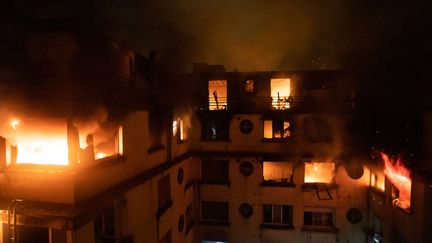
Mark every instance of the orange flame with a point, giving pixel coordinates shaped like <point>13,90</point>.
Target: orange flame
<point>400,177</point>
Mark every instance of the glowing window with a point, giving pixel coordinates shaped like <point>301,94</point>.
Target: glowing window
<point>183,133</point>
<point>108,143</point>
<point>377,181</point>
<point>319,172</point>
<point>277,171</point>
<point>280,92</point>
<point>218,95</point>
<point>277,129</point>
<point>174,128</point>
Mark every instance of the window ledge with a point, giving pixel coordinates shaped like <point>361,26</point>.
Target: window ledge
<point>313,186</point>
<point>163,208</point>
<point>277,184</point>
<point>219,223</point>
<point>222,183</point>
<point>277,226</point>
<point>215,140</point>
<point>275,140</point>
<point>323,229</point>
<point>155,148</point>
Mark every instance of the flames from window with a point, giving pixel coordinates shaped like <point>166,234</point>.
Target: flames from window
<point>317,172</point>
<point>400,177</point>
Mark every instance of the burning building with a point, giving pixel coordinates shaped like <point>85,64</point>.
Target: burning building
<point>92,150</point>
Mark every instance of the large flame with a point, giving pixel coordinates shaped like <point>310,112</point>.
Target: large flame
<point>400,177</point>
<point>41,141</point>
<point>318,172</point>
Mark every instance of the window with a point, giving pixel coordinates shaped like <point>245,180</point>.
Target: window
<point>105,226</point>
<point>277,172</point>
<point>108,144</point>
<point>249,86</point>
<point>156,122</point>
<point>316,172</point>
<point>217,94</point>
<point>280,93</point>
<point>189,218</point>
<point>246,168</point>
<point>166,238</point>
<point>246,210</point>
<point>277,129</point>
<point>246,126</point>
<point>377,181</point>
<point>217,129</point>
<point>214,171</point>
<point>318,217</point>
<point>215,211</point>
<point>179,128</point>
<point>277,214</point>
<point>164,192</point>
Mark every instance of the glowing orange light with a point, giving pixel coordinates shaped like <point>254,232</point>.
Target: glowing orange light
<point>14,123</point>
<point>400,177</point>
<point>317,172</point>
<point>42,141</point>
<point>100,155</point>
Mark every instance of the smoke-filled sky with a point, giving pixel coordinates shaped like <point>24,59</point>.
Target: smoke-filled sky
<point>251,34</point>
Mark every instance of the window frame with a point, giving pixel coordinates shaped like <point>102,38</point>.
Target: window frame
<point>283,220</point>
<point>209,177</point>
<point>278,125</point>
<point>222,218</point>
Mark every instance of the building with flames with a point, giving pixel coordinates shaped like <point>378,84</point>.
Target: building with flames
<point>92,150</point>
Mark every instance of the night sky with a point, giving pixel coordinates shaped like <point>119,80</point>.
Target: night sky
<point>387,43</point>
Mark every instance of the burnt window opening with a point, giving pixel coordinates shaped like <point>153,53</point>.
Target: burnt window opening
<point>281,93</point>
<point>106,226</point>
<point>166,238</point>
<point>215,211</point>
<point>277,129</point>
<point>377,181</point>
<point>217,129</point>
<point>246,210</point>
<point>246,168</point>
<point>317,130</point>
<point>277,214</point>
<point>156,122</point>
<point>218,95</point>
<point>246,126</point>
<point>214,171</point>
<point>319,172</point>
<point>249,86</point>
<point>164,194</point>
<point>278,173</point>
<point>318,217</point>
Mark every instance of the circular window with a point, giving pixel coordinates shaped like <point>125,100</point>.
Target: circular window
<point>246,126</point>
<point>354,170</point>
<point>246,168</point>
<point>246,210</point>
<point>354,215</point>
<point>180,175</point>
<point>181,223</point>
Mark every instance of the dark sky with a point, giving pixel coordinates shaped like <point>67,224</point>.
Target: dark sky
<point>251,34</point>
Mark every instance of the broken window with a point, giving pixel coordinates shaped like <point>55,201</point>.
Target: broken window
<point>214,171</point>
<point>218,95</point>
<point>317,172</point>
<point>277,172</point>
<point>249,86</point>
<point>215,211</point>
<point>318,217</point>
<point>277,214</point>
<point>280,93</point>
<point>277,129</point>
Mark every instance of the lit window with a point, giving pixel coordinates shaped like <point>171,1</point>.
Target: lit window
<point>377,181</point>
<point>106,146</point>
<point>318,217</point>
<point>249,86</point>
<point>277,214</point>
<point>280,93</point>
<point>277,129</point>
<point>218,95</point>
<point>319,172</point>
<point>183,133</point>
<point>174,127</point>
<point>277,171</point>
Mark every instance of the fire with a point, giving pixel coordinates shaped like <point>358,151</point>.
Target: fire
<point>41,141</point>
<point>400,177</point>
<point>280,92</point>
<point>316,172</point>
<point>100,155</point>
